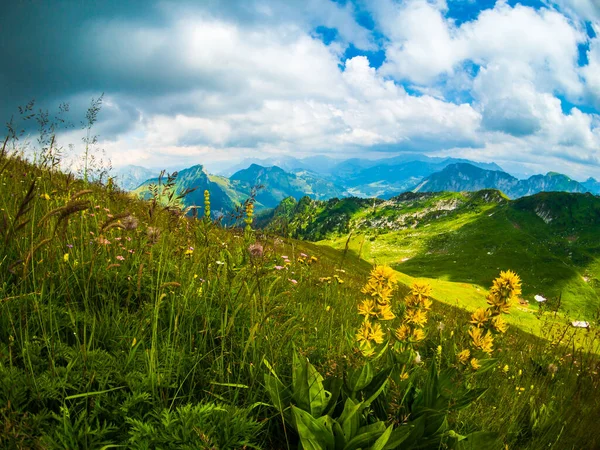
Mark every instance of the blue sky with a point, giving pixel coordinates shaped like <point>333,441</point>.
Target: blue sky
<point>212,82</point>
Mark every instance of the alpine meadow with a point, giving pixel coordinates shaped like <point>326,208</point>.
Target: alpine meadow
<point>320,225</point>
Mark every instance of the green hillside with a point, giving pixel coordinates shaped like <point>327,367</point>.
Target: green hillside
<point>551,239</point>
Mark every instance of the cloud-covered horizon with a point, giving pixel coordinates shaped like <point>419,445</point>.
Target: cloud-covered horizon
<point>511,82</point>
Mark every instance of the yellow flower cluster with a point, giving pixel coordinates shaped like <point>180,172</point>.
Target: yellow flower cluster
<point>379,289</point>
<point>249,214</point>
<point>377,307</point>
<point>486,322</point>
<point>207,204</point>
<point>415,318</point>
<point>505,289</point>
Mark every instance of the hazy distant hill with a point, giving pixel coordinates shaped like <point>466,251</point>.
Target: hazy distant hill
<point>591,185</point>
<point>279,184</point>
<point>226,193</point>
<point>466,177</point>
<point>129,177</point>
<point>223,195</point>
<point>358,178</point>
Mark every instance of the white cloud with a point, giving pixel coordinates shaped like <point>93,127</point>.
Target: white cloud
<point>425,45</point>
<point>209,87</point>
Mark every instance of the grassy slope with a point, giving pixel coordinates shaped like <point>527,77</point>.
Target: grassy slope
<point>103,332</point>
<point>459,254</point>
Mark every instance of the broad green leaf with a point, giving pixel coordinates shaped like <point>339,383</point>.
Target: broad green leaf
<point>278,394</point>
<point>314,433</point>
<point>436,423</point>
<point>379,382</point>
<point>430,390</point>
<point>363,440</point>
<point>350,418</point>
<point>398,436</point>
<point>338,434</point>
<point>445,384</point>
<point>307,384</point>
<point>383,439</point>
<point>415,436</point>
<point>334,387</point>
<point>318,396</point>
<point>361,378</point>
<point>378,426</point>
<point>300,387</point>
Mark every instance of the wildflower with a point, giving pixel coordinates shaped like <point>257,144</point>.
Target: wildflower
<point>420,290</point>
<point>207,204</point>
<point>220,263</point>
<point>476,336</point>
<point>417,335</point>
<point>303,255</point>
<point>552,369</point>
<point>278,267</point>
<point>45,196</point>
<point>499,304</point>
<point>403,332</point>
<point>153,234</point>
<point>249,214</point>
<point>328,308</point>
<point>475,364</point>
<point>256,250</point>
<point>284,257</point>
<point>385,312</point>
<point>66,257</point>
<point>499,324</point>
<point>505,368</point>
<point>367,308</point>
<point>417,317</point>
<point>480,317</point>
<point>313,259</point>
<point>338,279</point>
<point>376,333</point>
<point>463,356</point>
<point>292,281</point>
<point>69,245</point>
<point>364,332</point>
<point>418,358</point>
<point>366,348</point>
<point>487,343</point>
<point>505,287</point>
<point>403,376</point>
<point>439,350</point>
<point>130,222</point>
<point>189,251</point>
<point>120,258</point>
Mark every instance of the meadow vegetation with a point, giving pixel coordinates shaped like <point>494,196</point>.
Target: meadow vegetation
<point>142,324</point>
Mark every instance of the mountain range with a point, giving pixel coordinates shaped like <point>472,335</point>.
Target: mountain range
<point>466,177</point>
<point>322,178</point>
